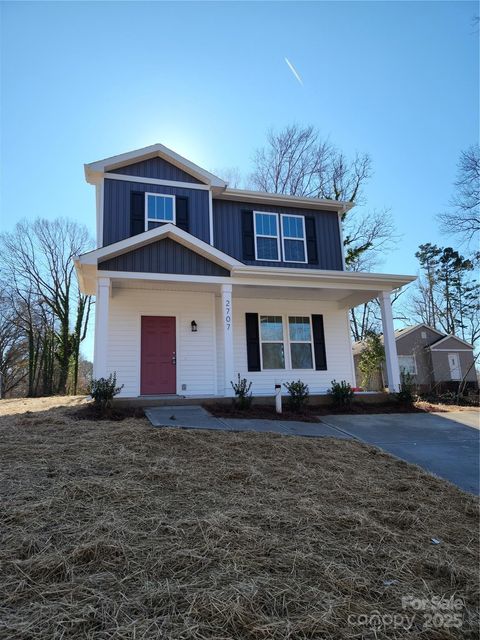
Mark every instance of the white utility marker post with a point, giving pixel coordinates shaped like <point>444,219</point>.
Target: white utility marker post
<point>227,320</point>
<point>102,304</point>
<point>391,358</point>
<point>278,397</point>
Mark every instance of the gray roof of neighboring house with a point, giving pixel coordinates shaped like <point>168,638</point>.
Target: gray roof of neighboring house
<point>358,347</point>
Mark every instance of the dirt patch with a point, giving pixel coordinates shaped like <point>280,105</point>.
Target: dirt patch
<point>117,530</point>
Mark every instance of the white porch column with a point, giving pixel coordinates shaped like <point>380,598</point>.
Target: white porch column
<point>227,321</point>
<point>102,304</point>
<point>391,358</point>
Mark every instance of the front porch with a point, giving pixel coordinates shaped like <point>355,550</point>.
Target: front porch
<point>208,359</point>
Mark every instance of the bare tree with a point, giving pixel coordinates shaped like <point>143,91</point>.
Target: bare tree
<point>37,262</point>
<point>463,219</point>
<point>297,161</point>
<point>13,349</point>
<point>231,175</point>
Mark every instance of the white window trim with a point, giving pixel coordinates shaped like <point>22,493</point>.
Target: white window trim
<point>286,342</point>
<point>282,342</point>
<point>310,342</point>
<point>302,218</point>
<point>261,235</point>
<point>161,195</point>
<point>415,372</point>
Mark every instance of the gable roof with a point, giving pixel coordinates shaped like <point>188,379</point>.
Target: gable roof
<point>153,235</point>
<point>94,169</point>
<point>358,347</point>
<point>400,333</point>
<point>448,337</point>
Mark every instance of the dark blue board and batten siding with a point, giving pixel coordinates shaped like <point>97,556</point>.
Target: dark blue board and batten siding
<point>117,207</point>
<point>164,256</point>
<point>227,233</point>
<point>156,168</point>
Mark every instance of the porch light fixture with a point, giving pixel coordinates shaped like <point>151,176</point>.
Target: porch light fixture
<point>194,326</point>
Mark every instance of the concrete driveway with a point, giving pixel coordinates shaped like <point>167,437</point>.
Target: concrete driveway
<point>446,444</point>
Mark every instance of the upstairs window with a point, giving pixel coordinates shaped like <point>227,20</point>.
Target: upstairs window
<point>293,236</point>
<point>159,208</point>
<point>267,241</point>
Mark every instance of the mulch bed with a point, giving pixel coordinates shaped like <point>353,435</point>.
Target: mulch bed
<point>90,411</point>
<point>267,412</point>
<point>114,530</point>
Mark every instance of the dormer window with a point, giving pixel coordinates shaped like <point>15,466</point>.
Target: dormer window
<point>159,208</point>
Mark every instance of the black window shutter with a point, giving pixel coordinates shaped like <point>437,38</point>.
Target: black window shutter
<point>311,236</point>
<point>248,238</point>
<point>181,213</point>
<point>319,343</point>
<point>137,213</point>
<point>253,342</point>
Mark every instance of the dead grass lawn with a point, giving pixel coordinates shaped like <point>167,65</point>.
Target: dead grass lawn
<point>121,531</point>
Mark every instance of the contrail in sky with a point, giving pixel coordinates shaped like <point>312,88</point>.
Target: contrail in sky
<point>294,71</point>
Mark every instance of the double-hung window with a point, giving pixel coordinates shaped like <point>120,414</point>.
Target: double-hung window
<point>293,238</point>
<point>407,364</point>
<point>272,342</point>
<point>300,336</point>
<point>267,241</point>
<point>159,208</point>
<point>293,350</point>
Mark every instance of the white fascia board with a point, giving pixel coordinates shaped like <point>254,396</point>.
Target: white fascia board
<point>162,277</point>
<point>433,347</point>
<point>278,199</point>
<point>381,281</point>
<point>167,183</point>
<point>152,151</point>
<point>166,231</point>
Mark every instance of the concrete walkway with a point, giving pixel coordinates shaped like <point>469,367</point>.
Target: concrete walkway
<point>445,444</point>
<point>196,417</point>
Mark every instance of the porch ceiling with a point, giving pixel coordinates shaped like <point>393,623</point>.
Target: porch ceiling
<point>344,298</point>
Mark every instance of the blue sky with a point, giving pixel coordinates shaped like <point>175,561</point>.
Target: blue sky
<point>83,81</point>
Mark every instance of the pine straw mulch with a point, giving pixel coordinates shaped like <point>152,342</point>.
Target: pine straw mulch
<point>116,530</point>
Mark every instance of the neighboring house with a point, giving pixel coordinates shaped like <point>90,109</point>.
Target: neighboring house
<point>434,359</point>
<point>196,282</point>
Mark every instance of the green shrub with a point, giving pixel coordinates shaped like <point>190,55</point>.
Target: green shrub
<point>371,358</point>
<point>341,393</point>
<point>298,395</point>
<point>242,392</point>
<point>406,394</point>
<point>103,390</point>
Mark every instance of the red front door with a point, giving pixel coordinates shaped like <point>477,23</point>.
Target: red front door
<point>158,357</point>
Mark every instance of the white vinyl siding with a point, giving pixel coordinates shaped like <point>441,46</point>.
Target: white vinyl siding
<point>337,339</point>
<point>196,361</point>
<point>200,354</point>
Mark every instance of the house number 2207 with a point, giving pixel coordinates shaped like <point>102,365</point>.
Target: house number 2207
<point>228,311</point>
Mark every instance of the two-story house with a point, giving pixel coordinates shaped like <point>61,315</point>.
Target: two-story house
<point>196,282</point>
